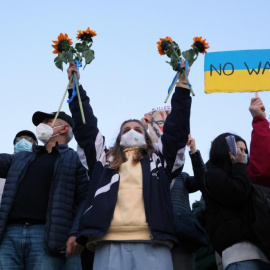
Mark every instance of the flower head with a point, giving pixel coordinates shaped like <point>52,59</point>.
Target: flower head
<point>200,44</point>
<point>86,35</point>
<point>62,43</point>
<point>163,44</point>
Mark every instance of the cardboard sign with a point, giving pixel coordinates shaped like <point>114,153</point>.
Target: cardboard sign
<point>237,71</point>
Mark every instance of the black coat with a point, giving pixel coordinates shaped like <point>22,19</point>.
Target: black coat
<point>228,206</point>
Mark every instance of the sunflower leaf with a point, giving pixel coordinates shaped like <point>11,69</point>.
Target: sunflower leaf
<point>169,52</point>
<point>63,57</point>
<point>79,47</point>
<point>58,62</point>
<point>89,56</point>
<point>190,55</point>
<point>72,50</point>
<point>69,57</point>
<point>174,61</point>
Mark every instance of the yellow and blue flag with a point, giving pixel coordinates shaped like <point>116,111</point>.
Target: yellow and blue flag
<point>237,71</point>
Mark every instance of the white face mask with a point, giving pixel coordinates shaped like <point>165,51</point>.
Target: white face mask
<point>44,132</point>
<point>132,138</point>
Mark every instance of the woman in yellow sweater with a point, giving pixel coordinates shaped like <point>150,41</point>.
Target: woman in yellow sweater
<point>128,213</point>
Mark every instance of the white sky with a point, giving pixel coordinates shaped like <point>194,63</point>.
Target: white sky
<point>128,76</point>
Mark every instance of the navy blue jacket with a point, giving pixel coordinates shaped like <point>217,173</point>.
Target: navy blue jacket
<point>67,193</point>
<point>158,170</point>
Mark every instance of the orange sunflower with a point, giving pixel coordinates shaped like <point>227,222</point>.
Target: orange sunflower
<point>86,35</point>
<point>200,44</point>
<point>62,43</point>
<point>162,44</point>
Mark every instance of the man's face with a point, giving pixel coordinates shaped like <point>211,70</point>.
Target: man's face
<point>57,126</point>
<point>157,123</point>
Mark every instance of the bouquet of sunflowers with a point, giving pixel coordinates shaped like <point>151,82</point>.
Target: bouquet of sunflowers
<point>166,46</point>
<point>69,54</point>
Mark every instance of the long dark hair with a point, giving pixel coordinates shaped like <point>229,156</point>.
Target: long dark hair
<point>219,152</point>
<point>117,151</point>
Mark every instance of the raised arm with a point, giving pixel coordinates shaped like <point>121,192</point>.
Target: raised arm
<point>176,130</point>
<point>198,166</point>
<point>259,169</point>
<point>91,144</point>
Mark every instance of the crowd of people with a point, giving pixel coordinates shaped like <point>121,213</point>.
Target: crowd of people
<point>124,207</point>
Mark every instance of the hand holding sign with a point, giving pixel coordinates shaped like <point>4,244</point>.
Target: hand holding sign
<point>256,107</point>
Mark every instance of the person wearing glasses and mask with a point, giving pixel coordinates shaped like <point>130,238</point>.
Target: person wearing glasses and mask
<point>23,141</point>
<point>43,198</point>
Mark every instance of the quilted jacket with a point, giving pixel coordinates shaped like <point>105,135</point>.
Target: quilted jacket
<point>67,193</point>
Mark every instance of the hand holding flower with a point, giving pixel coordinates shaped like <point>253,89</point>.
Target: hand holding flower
<point>74,56</point>
<point>71,70</point>
<point>171,49</point>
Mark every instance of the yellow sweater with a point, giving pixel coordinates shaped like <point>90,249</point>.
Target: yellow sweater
<point>129,221</point>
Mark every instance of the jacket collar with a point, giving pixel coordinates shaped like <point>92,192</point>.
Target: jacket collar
<point>61,148</point>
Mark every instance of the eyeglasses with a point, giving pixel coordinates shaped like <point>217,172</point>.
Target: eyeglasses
<point>29,139</point>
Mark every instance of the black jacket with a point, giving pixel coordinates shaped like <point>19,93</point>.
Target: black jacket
<point>158,170</point>
<point>228,206</point>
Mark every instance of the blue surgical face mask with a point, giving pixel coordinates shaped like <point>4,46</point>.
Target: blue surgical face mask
<point>23,145</point>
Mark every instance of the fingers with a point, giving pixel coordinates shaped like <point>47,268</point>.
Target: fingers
<point>240,157</point>
<point>190,140</point>
<point>144,123</point>
<point>183,64</point>
<point>72,247</point>
<point>146,119</point>
<point>256,102</point>
<point>68,250</point>
<point>256,107</point>
<point>232,157</point>
<point>72,68</point>
<point>191,144</point>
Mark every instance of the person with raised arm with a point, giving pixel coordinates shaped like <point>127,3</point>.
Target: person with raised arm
<point>259,159</point>
<point>128,215</point>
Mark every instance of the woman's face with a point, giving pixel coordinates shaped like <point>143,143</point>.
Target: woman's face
<point>132,125</point>
<point>241,146</point>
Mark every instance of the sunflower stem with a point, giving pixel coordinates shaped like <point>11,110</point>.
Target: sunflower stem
<point>71,77</point>
<point>178,56</point>
<point>79,98</point>
<point>172,88</point>
<point>191,90</point>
